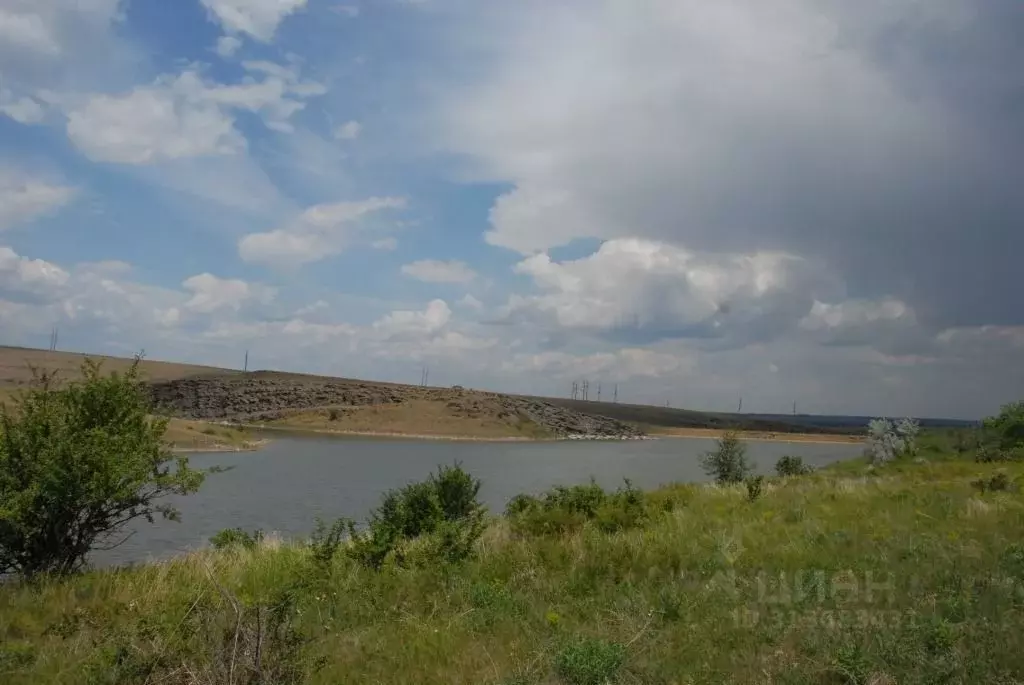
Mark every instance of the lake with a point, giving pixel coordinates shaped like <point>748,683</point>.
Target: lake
<point>293,480</point>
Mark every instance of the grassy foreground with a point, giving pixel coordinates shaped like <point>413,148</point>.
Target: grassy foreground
<point>911,573</point>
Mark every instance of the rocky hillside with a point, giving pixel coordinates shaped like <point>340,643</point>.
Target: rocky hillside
<point>267,396</point>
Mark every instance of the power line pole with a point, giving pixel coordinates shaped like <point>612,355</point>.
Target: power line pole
<point>246,366</point>
<point>599,391</point>
<point>794,408</point>
<point>615,397</point>
<point>739,409</point>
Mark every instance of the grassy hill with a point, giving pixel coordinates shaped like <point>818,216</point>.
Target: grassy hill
<point>459,413</point>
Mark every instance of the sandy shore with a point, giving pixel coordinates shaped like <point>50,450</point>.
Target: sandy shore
<point>389,435</point>
<point>248,447</point>
<point>714,433</point>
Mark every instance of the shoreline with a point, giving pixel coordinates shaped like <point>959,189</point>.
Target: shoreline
<point>672,433</point>
<point>761,436</point>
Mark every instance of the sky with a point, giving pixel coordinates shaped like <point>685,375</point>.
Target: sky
<point>809,201</point>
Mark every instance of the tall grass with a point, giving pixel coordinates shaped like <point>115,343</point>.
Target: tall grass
<point>905,573</point>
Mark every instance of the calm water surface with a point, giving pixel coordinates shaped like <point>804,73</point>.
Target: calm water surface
<point>293,480</point>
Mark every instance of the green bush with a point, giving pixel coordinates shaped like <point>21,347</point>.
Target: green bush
<point>728,463</point>
<point>1007,427</point>
<point>567,508</point>
<point>519,504</point>
<point>755,486</point>
<point>990,454</point>
<point>590,662</point>
<point>236,537</point>
<point>998,482</point>
<point>444,508</point>
<point>580,499</point>
<point>791,466</point>
<point>77,463</point>
<point>326,540</point>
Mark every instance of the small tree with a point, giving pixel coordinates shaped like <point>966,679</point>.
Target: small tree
<point>1007,427</point>
<point>77,463</point>
<point>789,465</point>
<point>888,441</point>
<point>728,463</point>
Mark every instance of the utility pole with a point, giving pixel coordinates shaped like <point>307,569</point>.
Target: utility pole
<point>599,391</point>
<point>246,366</point>
<point>739,409</point>
<point>794,408</point>
<point>426,378</point>
<point>615,398</point>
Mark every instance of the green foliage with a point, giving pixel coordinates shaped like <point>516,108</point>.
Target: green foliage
<point>444,508</point>
<point>990,454</point>
<point>728,463</point>
<point>519,504</point>
<point>1007,426</point>
<point>236,537</point>
<point>998,482</point>
<point>76,464</point>
<point>590,662</point>
<point>791,466</point>
<point>567,508</point>
<point>326,540</point>
<point>755,486</point>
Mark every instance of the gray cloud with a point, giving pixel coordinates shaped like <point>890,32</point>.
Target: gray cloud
<point>881,138</point>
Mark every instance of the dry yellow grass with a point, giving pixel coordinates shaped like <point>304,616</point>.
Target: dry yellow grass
<point>200,436</point>
<point>715,433</point>
<point>16,366</point>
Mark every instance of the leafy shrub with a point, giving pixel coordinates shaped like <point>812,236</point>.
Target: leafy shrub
<point>623,509</point>
<point>567,508</point>
<point>791,466</point>
<point>755,486</point>
<point>520,504</point>
<point>989,454</point>
<point>590,662</point>
<point>1007,426</point>
<point>998,482</point>
<point>333,415</point>
<point>888,441</point>
<point>445,507</point>
<point>232,537</point>
<point>77,463</point>
<point>728,463</point>
<point>326,540</point>
<point>579,499</point>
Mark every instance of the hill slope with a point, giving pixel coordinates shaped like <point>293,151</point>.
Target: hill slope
<point>340,404</point>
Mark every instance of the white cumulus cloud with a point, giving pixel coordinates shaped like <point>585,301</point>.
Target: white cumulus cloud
<point>319,232</point>
<point>436,271</point>
<point>350,130</point>
<point>185,116</point>
<point>24,198</point>
<point>210,293</point>
<point>257,18</point>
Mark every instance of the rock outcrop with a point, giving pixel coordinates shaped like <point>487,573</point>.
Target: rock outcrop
<point>265,396</point>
